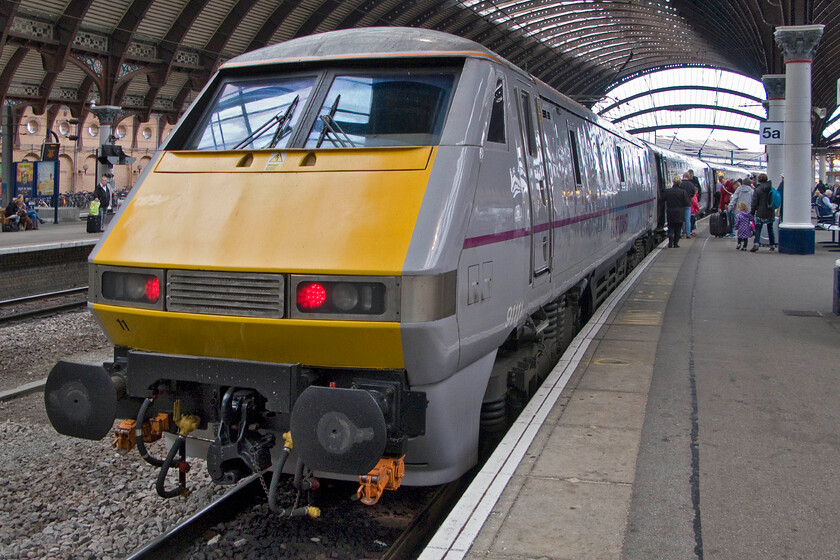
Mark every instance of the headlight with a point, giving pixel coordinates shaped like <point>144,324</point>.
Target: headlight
<point>346,298</point>
<point>134,287</point>
<point>142,288</point>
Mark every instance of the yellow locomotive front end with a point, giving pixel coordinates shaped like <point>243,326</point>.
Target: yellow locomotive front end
<point>253,281</point>
<point>220,245</point>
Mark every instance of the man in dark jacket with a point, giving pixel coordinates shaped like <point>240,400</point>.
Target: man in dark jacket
<point>676,200</point>
<point>763,212</point>
<point>102,192</point>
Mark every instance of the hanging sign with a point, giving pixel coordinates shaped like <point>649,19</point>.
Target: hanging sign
<point>771,132</point>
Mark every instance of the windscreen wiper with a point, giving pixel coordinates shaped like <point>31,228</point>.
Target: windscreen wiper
<point>280,121</point>
<point>331,127</point>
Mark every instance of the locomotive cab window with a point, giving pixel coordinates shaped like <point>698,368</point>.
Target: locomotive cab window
<point>254,114</point>
<point>403,108</point>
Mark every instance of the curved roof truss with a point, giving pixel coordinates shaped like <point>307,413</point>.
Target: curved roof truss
<point>582,47</point>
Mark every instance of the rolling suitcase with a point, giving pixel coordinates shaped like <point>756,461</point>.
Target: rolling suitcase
<point>717,224</point>
<point>94,223</point>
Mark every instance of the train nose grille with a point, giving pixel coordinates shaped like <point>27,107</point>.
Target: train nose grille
<point>237,294</point>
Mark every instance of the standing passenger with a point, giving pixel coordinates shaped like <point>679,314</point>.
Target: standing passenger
<point>763,212</point>
<point>743,193</point>
<point>103,193</point>
<point>676,201</point>
<point>744,226</point>
<point>718,191</point>
<point>688,186</point>
<point>725,195</point>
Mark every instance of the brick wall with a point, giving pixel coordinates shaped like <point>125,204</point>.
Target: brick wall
<point>36,272</point>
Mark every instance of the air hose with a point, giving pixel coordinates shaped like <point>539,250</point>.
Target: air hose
<point>138,434</point>
<point>313,512</point>
<point>180,444</point>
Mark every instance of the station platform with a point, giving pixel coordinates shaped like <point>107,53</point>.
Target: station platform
<point>695,416</point>
<point>48,235</point>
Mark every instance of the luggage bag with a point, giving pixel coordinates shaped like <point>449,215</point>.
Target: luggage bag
<point>94,223</point>
<point>717,224</point>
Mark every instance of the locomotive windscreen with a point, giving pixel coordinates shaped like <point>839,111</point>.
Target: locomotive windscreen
<point>384,109</point>
<point>405,107</point>
<point>254,114</point>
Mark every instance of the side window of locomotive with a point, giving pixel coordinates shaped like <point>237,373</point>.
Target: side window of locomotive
<point>618,159</point>
<point>496,132</point>
<point>529,126</point>
<point>253,114</point>
<point>573,144</point>
<point>405,108</point>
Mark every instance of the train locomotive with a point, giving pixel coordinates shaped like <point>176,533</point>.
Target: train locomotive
<point>359,250</point>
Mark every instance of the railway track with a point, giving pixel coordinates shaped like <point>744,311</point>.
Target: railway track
<point>42,304</point>
<point>341,522</point>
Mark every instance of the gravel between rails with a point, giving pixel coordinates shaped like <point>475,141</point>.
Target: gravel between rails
<point>65,498</point>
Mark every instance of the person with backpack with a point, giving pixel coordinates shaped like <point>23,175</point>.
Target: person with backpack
<point>764,212</point>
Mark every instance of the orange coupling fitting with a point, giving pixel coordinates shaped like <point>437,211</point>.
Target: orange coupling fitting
<point>386,475</point>
<point>313,512</point>
<point>127,434</point>
<point>125,440</point>
<point>157,426</point>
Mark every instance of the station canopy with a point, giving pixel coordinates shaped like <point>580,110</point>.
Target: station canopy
<point>153,56</point>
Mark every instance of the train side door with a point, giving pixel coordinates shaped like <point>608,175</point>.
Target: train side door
<point>538,187</point>
<point>663,181</point>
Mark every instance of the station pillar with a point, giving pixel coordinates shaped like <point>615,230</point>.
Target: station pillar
<point>107,115</point>
<point>774,85</point>
<point>796,232</point>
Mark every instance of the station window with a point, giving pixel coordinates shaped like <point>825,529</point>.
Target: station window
<point>496,132</point>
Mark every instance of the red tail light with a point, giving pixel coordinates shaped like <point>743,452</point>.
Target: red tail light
<point>337,299</point>
<point>152,289</point>
<point>311,295</point>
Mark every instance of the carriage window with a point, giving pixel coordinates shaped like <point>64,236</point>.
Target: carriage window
<point>254,115</point>
<point>390,109</point>
<point>496,132</point>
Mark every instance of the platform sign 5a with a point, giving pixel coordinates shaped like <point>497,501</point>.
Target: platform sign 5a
<point>771,132</point>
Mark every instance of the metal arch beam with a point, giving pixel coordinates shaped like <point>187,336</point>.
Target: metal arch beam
<point>119,41</point>
<point>391,15</point>
<point>460,19</point>
<point>747,36</point>
<point>653,60</point>
<point>168,48</point>
<point>315,18</point>
<point>353,18</point>
<point>434,11</point>
<point>8,10</point>
<point>274,21</point>
<point>701,126</point>
<point>10,69</point>
<point>55,59</point>
<point>649,57</point>
<point>565,21</point>
<point>686,107</point>
<point>211,54</point>
<point>675,88</point>
<point>557,67</point>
